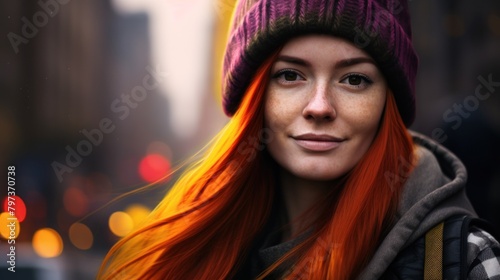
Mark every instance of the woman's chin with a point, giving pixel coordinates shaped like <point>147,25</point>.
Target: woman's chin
<point>319,175</point>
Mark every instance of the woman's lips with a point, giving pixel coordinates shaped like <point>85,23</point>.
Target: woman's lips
<point>317,142</point>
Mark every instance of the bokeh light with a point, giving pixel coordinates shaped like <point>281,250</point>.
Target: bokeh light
<point>75,201</point>
<point>138,213</point>
<point>153,167</point>
<point>47,243</point>
<point>9,228</point>
<point>19,207</point>
<point>120,223</point>
<point>81,236</point>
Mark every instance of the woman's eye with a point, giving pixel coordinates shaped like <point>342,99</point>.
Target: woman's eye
<point>288,76</point>
<point>356,80</point>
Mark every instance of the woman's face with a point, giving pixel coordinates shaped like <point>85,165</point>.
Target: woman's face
<point>323,105</point>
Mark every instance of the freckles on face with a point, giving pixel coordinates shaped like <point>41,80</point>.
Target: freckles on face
<point>323,106</point>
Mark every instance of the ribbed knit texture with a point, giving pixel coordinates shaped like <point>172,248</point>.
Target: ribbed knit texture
<point>380,27</point>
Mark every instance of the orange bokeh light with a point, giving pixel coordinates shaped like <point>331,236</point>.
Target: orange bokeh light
<point>47,243</point>
<point>120,223</point>
<point>138,213</point>
<point>81,236</point>
<point>9,226</point>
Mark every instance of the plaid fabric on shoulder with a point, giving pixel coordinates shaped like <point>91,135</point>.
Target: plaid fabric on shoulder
<point>483,255</point>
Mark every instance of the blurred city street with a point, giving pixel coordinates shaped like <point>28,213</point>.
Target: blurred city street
<point>101,97</point>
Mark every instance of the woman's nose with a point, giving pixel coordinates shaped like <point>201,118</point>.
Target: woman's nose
<point>320,106</point>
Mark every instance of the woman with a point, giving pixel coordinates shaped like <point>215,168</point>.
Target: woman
<point>316,175</point>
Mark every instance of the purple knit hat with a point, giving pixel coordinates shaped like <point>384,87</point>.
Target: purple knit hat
<point>380,27</point>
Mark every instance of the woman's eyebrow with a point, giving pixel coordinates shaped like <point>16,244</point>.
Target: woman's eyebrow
<point>353,61</point>
<point>293,60</point>
<point>339,64</point>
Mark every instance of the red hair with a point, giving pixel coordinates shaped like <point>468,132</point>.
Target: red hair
<point>204,227</point>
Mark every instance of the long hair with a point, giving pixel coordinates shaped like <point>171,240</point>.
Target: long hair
<point>204,227</point>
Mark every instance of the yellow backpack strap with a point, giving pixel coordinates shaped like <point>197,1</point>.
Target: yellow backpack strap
<point>433,265</point>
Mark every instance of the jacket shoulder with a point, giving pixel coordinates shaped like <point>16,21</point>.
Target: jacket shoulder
<point>458,231</point>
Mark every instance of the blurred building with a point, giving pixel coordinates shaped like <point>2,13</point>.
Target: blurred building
<point>66,68</point>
